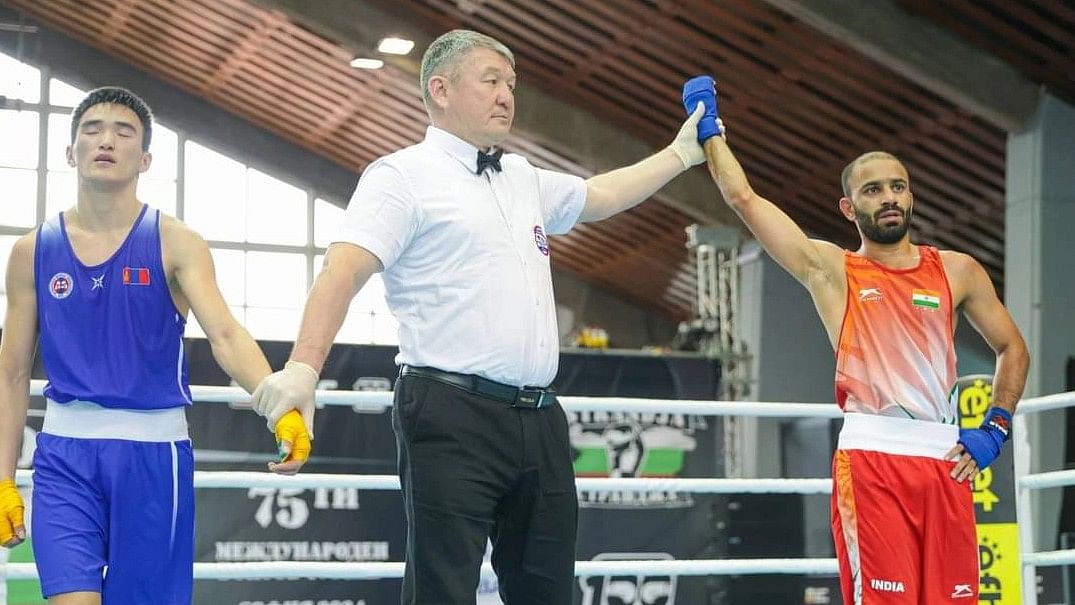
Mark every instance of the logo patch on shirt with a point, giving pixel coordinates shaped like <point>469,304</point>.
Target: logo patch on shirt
<point>870,295</point>
<point>962,591</point>
<point>541,241</point>
<point>135,276</point>
<point>887,585</point>
<point>926,299</point>
<point>61,286</point>
<point>1001,424</point>
<point>98,282</point>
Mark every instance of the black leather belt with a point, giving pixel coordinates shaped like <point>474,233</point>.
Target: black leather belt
<point>525,397</point>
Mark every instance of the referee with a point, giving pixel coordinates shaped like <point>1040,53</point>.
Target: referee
<point>460,231</point>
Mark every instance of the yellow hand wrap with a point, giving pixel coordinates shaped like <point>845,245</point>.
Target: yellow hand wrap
<point>292,429</point>
<point>10,511</point>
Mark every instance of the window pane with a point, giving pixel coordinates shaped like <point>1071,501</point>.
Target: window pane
<point>231,274</point>
<point>165,149</point>
<point>20,126</point>
<point>215,194</point>
<point>276,211</point>
<point>371,297</point>
<point>327,219</point>
<point>61,192</point>
<point>63,94</point>
<point>362,325</point>
<point>19,205</point>
<point>59,137</point>
<point>273,324</point>
<point>6,242</point>
<point>357,328</point>
<point>194,329</point>
<point>19,80</point>
<point>385,329</point>
<point>157,193</point>
<point>275,279</point>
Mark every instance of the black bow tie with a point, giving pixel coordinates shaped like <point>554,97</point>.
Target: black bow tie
<point>489,160</point>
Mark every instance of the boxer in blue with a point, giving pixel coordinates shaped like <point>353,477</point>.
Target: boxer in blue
<point>106,286</point>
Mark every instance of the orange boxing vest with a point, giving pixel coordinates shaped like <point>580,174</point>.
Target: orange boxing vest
<point>896,355</point>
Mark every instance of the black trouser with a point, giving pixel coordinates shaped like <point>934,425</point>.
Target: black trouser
<point>475,468</point>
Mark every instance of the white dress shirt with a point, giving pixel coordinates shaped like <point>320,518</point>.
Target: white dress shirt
<point>466,256</point>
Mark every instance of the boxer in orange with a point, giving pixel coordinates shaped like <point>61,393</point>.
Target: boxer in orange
<point>902,514</point>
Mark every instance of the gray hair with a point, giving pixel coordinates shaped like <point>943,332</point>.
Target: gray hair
<point>444,54</point>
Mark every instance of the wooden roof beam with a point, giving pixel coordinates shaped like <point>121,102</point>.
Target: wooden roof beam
<point>925,53</point>
<point>358,24</point>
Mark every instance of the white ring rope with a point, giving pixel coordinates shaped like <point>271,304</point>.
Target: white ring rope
<point>1050,558</point>
<point>246,479</point>
<point>1047,480</point>
<point>378,571</point>
<point>383,399</point>
<point>217,394</point>
<point>1046,403</point>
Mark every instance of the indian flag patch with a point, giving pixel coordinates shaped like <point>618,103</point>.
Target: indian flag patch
<point>927,299</point>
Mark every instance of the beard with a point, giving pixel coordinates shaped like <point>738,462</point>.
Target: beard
<point>873,231</point>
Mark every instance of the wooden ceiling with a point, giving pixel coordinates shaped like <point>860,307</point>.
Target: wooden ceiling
<point>798,105</point>
<point>1036,37</point>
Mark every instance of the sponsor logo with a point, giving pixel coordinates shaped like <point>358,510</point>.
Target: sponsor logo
<point>61,286</point>
<point>98,282</point>
<point>541,241</point>
<point>619,444</point>
<point>1001,424</point>
<point>629,589</point>
<point>962,591</point>
<point>887,585</point>
<point>870,295</point>
<point>995,570</point>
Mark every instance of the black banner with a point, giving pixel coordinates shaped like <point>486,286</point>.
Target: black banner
<point>347,525</point>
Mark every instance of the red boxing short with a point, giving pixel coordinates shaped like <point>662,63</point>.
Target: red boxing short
<point>904,529</point>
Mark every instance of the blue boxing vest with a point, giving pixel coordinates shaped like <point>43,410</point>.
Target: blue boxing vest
<point>111,333</point>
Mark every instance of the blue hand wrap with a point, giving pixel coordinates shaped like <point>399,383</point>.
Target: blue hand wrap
<point>700,88</point>
<point>984,443</point>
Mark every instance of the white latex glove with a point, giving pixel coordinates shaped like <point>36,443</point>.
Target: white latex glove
<point>292,388</point>
<point>685,145</point>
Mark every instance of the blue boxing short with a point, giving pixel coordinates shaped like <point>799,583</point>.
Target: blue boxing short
<point>115,514</point>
